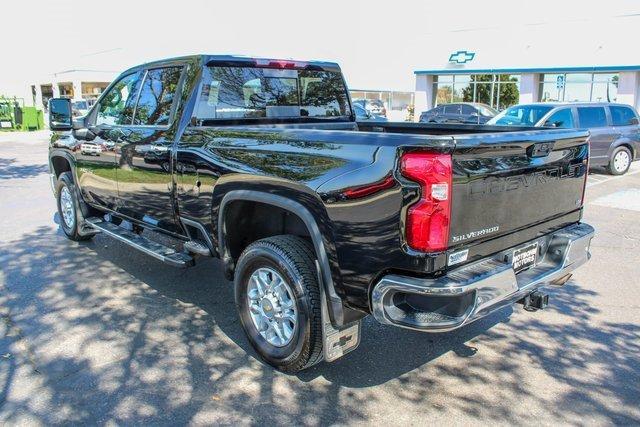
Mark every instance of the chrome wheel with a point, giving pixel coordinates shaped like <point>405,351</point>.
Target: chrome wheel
<point>67,208</point>
<point>272,306</point>
<point>621,161</point>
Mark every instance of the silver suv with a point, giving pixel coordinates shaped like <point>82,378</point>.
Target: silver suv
<point>615,129</point>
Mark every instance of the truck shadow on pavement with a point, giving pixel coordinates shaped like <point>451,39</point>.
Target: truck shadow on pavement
<point>10,170</point>
<point>94,332</point>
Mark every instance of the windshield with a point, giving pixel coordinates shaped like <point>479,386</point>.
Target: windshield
<point>267,93</point>
<point>487,111</point>
<point>521,115</point>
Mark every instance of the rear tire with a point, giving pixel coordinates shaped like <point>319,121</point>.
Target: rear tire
<point>69,208</point>
<point>620,161</point>
<point>283,322</point>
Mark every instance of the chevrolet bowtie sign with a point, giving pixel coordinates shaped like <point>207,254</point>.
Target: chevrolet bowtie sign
<point>461,57</point>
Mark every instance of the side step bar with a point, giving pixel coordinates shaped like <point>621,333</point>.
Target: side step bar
<point>163,253</point>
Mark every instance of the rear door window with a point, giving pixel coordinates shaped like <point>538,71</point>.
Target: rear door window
<point>157,96</point>
<point>452,109</point>
<point>622,116</point>
<point>468,109</point>
<point>592,117</point>
<point>561,119</point>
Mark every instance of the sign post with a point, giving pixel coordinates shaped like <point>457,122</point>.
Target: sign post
<point>560,87</point>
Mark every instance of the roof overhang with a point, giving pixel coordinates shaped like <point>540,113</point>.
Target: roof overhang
<point>569,69</point>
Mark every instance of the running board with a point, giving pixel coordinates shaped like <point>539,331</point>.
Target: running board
<point>164,253</point>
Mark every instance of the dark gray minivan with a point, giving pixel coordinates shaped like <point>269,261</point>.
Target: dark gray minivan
<point>615,128</point>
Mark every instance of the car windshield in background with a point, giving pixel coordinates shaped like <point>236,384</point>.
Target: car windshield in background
<point>487,111</point>
<point>520,115</point>
<point>267,93</point>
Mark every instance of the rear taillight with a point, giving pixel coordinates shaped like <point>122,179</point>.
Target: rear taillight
<point>427,224</point>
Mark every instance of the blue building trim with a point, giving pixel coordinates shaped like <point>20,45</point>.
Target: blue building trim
<point>529,70</point>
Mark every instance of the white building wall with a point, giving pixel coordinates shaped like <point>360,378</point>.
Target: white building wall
<point>75,77</point>
<point>529,88</point>
<point>629,88</point>
<point>423,96</point>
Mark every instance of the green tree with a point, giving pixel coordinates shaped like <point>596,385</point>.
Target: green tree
<point>444,94</point>
<point>509,93</point>
<point>506,91</point>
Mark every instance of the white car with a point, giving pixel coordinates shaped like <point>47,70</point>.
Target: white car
<point>90,149</point>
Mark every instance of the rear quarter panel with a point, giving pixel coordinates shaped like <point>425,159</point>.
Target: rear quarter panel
<point>315,168</point>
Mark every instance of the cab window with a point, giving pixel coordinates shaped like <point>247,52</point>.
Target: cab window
<point>116,107</point>
<point>561,119</point>
<point>257,93</point>
<point>157,96</point>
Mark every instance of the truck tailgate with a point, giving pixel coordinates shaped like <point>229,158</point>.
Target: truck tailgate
<point>508,181</point>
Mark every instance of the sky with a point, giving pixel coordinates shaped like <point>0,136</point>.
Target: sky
<point>378,43</point>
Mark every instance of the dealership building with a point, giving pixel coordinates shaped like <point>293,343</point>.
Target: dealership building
<point>499,68</point>
<point>74,84</point>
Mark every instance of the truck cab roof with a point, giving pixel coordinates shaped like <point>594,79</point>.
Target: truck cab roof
<point>239,60</point>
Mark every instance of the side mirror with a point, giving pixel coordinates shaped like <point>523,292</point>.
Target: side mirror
<point>549,124</point>
<point>634,121</point>
<point>60,114</point>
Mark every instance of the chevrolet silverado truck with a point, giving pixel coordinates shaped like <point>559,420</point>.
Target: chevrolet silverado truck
<point>320,220</point>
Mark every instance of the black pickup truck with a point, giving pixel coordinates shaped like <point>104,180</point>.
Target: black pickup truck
<point>318,219</point>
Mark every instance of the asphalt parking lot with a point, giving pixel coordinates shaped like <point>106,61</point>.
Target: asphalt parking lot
<point>96,333</point>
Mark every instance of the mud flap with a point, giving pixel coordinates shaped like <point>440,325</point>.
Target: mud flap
<point>336,342</point>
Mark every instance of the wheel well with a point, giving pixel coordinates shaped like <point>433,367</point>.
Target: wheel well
<point>60,165</point>
<point>246,221</point>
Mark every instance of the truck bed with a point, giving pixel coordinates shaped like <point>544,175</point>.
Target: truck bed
<point>501,196</point>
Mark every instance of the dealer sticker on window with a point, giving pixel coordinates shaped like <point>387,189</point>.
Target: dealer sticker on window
<point>525,257</point>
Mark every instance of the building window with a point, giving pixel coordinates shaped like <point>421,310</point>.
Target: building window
<point>578,87</point>
<point>496,90</point>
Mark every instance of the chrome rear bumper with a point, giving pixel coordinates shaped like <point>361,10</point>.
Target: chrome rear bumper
<point>473,291</point>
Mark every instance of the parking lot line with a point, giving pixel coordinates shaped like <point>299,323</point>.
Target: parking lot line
<point>611,178</point>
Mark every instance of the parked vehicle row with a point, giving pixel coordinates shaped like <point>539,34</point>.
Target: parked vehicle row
<point>467,112</point>
<point>614,128</point>
<point>362,114</point>
<point>320,219</point>
<point>374,106</point>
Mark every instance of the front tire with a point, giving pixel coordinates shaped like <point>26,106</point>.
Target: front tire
<point>620,161</point>
<point>69,211</point>
<point>278,301</point>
